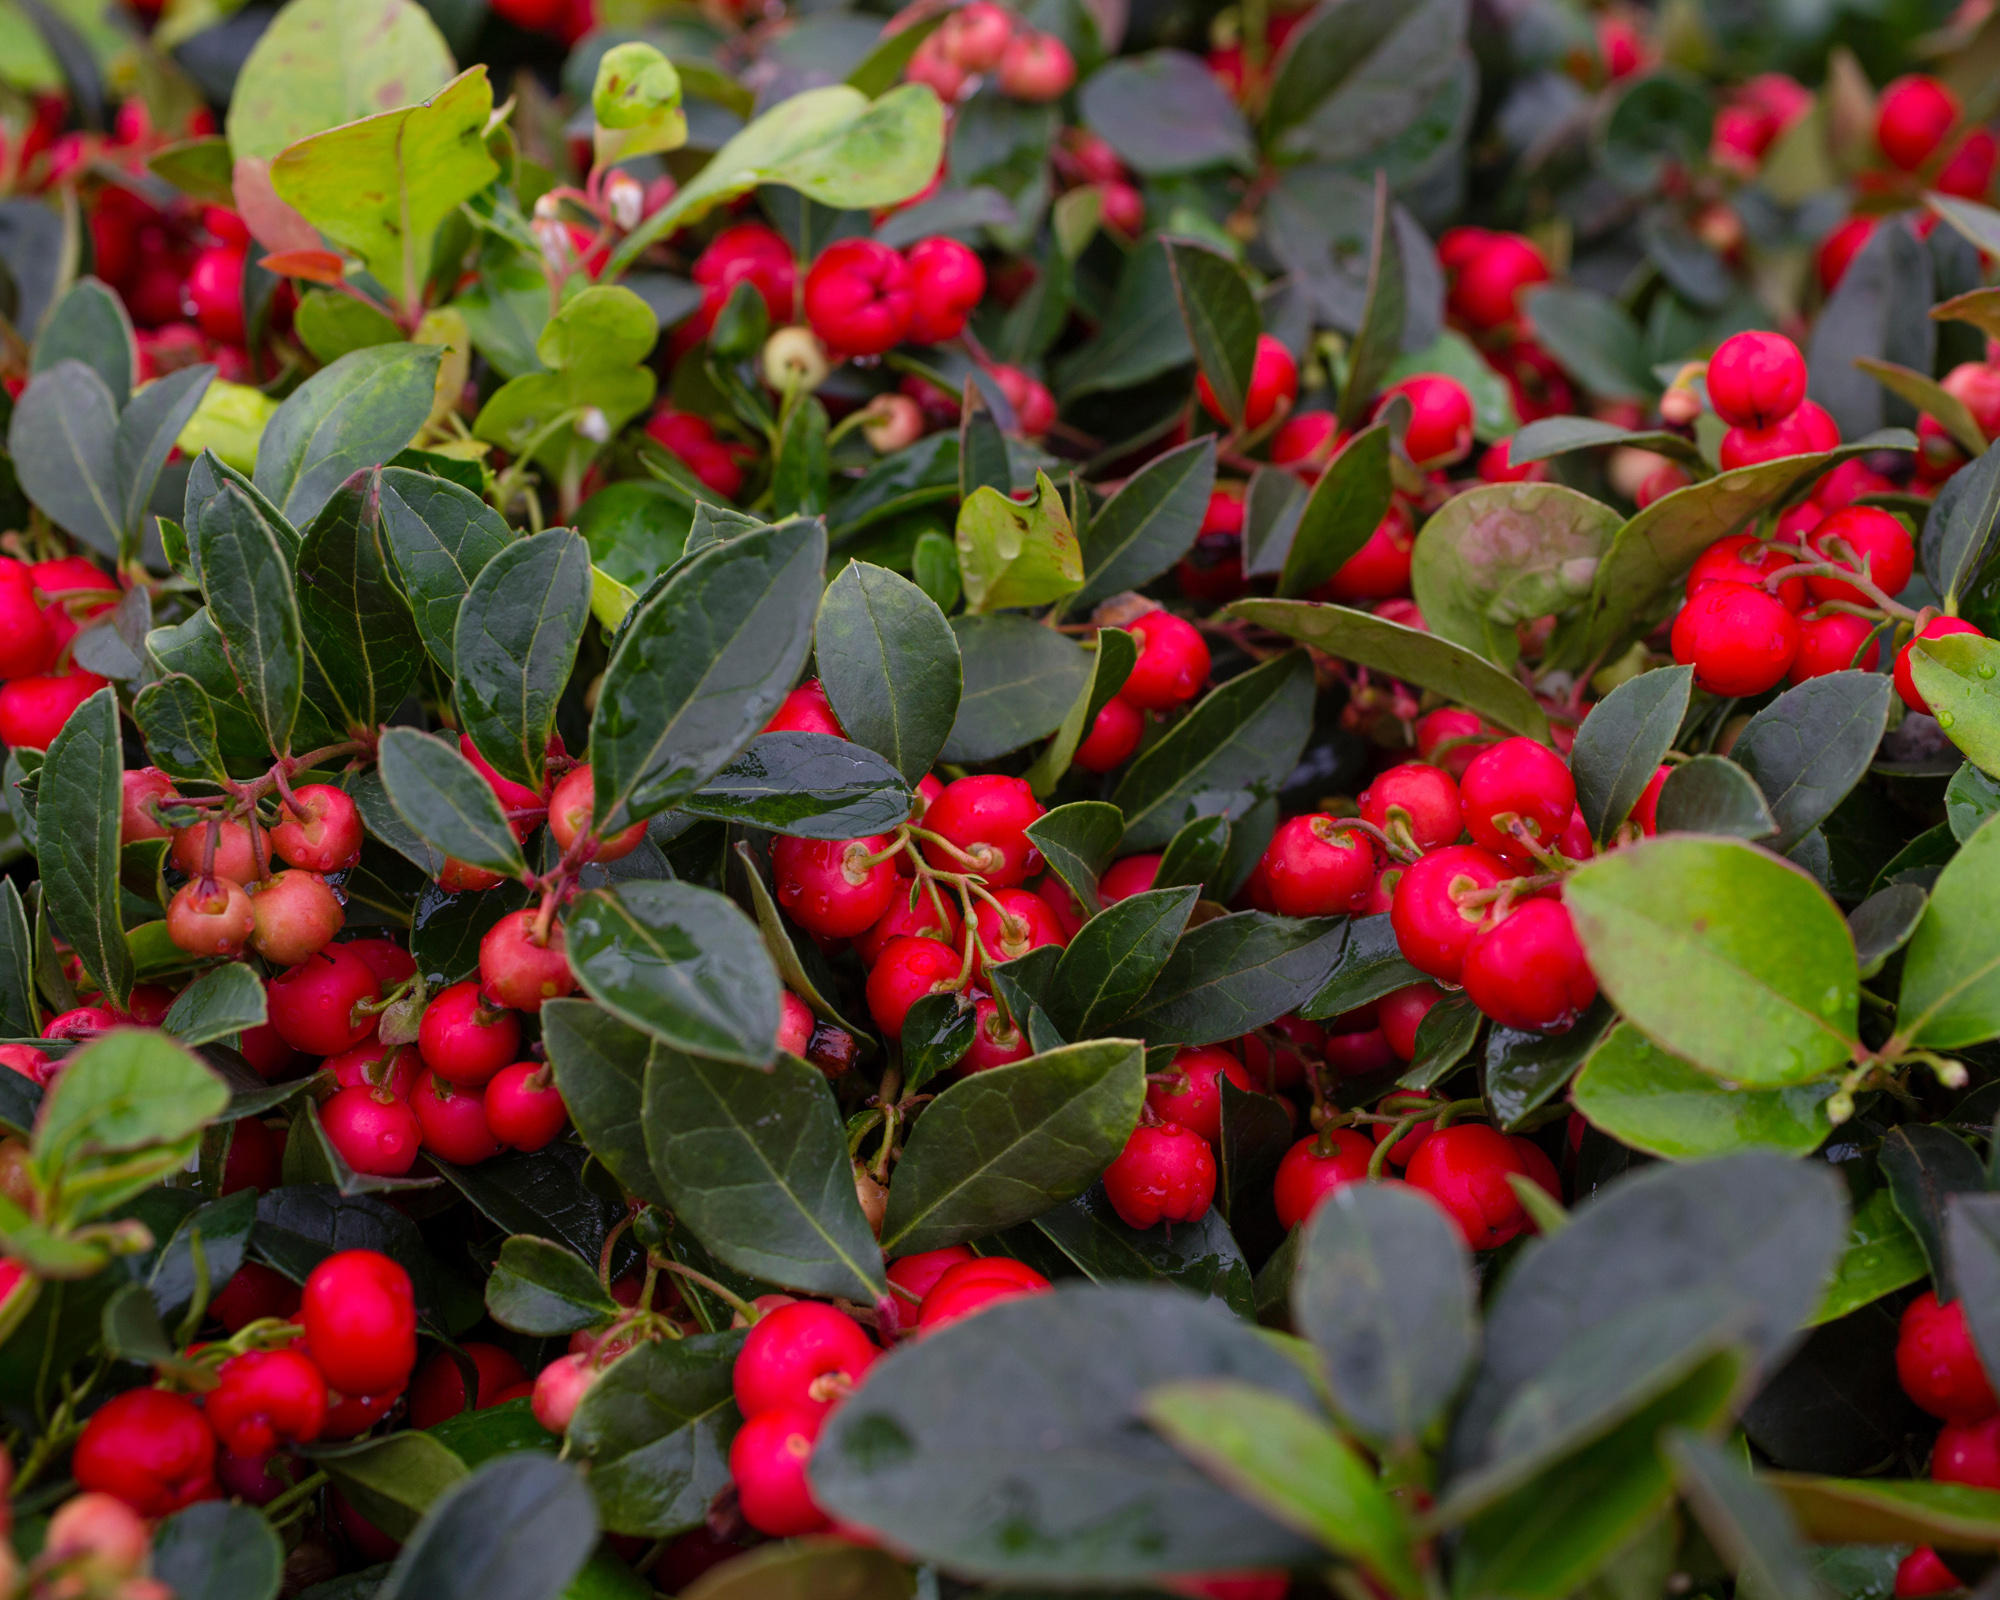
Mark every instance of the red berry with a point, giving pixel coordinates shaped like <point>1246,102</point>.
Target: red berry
<point>922,915</point>
<point>1036,67</point>
<point>266,1398</point>
<point>1739,640</point>
<point>1194,1101</point>
<point>975,37</point>
<point>1128,875</point>
<point>296,913</point>
<point>806,710</point>
<point>1527,970</point>
<point>1486,290</point>
<point>1860,538</point>
<point>973,1286</point>
<point>324,834</point>
<point>375,1132</point>
<point>210,917</point>
<point>803,1356</point>
<point>1114,735</point>
<point>916,1275</point>
<point>1912,116</point>
<point>986,817</point>
<point>1521,781</point>
<point>138,790</point>
<point>560,1388</point>
<point>463,1039</point>
<point>1313,867</point>
<point>1807,431</point>
<point>255,1161</point>
<point>1839,248</point>
<point>829,887</point>
<point>1977,384</point>
<point>947,282</point>
<point>360,1320</point>
<point>996,1042</point>
<point>1832,643</point>
<point>33,710</point>
<point>1744,558</point>
<point>749,252</point>
<point>858,297</point>
<point>437,1392</point>
<point>1274,385</point>
<point>524,1109</point>
<point>1464,1168</point>
<point>1906,683</point>
<point>242,851</point>
<point>1306,443</point>
<point>1380,569</point>
<point>1756,379</point>
<point>1287,1067</point>
<point>1450,738</point>
<point>453,1120</point>
<point>1165,1173</point>
<point>1421,798</point>
<point>256,1291</point>
<point>570,806</point>
<point>1022,921</point>
<point>148,1448</point>
<point>518,973</point>
<point>1969,172</point>
<point>694,441</point>
<point>1938,1364</point>
<point>1968,1452</point>
<point>1496,466</point>
<point>1306,1176</point>
<point>213,294</point>
<point>312,1004</point>
<point>375,1065</point>
<point>28,642</point>
<point>85,1022</point>
<point>906,971</point>
<point>1441,418</point>
<point>1921,1573</point>
<point>767,1458</point>
<point>1173,662</point>
<point>523,806</point>
<point>96,1534</point>
<point>1400,1011</point>
<point>1432,928</point>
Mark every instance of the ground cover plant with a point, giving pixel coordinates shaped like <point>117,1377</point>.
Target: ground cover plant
<point>994,800</point>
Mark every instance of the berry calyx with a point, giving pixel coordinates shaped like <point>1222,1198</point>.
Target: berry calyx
<point>1517,784</point>
<point>985,817</point>
<point>1316,1166</point>
<point>832,887</point>
<point>1431,918</point>
<point>1417,800</point>
<point>210,917</point>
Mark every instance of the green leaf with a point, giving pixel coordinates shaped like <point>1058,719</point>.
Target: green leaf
<point>637,102</point>
<point>1237,973</point>
<point>1289,1463</point>
<point>600,1069</point>
<point>1078,840</point>
<point>1955,676</point>
<point>441,537</point>
<point>1196,856</point>
<point>1948,1516</point>
<point>62,439</point>
<point>1643,1097</point>
<point>811,785</point>
<point>1344,509</point>
<point>395,1478</point>
<point>799,472</point>
<point>1108,967</point>
<point>539,1287</point>
<point>1221,318</point>
<point>937,1031</point>
<point>1002,1146</point>
<point>1384,1290</point>
<point>1526,1070</point>
<point>679,962</point>
<point>356,628</point>
<point>1112,664</point>
<point>655,1431</point>
<point>1622,743</point>
<point>1149,524</point>
<point>446,803</point>
<point>1971,799</point>
<point>1352,79</point>
<point>1370,965</point>
<point>18,1014</point>
<point>1505,554</point>
<point>127,1090</point>
<point>1444,1038</point>
<point>223,1001</point>
<point>1416,657</point>
<point>1384,308</point>
<point>329,62</point>
<point>77,810</point>
<point>246,572</point>
<point>357,413</point>
<point>982,450</point>
<point>1712,794</point>
<point>1746,1521</point>
<point>216,1551</point>
<point>756,1165</point>
<point>1548,437</point>
<point>146,436</point>
<point>330,325</point>
<point>1972,1243</point>
<point>1017,555</point>
<point>701,666</point>
<point>1951,968</point>
<point>1165,114</point>
<point>1927,1167</point>
<point>1595,340</point>
<point>1927,395</point>
<point>1811,745</point>
<point>520,1528</point>
<point>90,324</point>
<point>1142,337</point>
<point>1722,954</point>
<point>515,644</point>
<point>831,143</point>
<point>382,185</point>
<point>1037,1473</point>
<point>1019,681</point>
<point>1883,923</point>
<point>177,718</point>
<point>1199,1257</point>
<point>1243,737</point>
<point>889,664</point>
<point>1959,532</point>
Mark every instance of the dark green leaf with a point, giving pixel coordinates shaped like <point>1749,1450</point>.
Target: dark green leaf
<point>358,634</point>
<point>1200,1257</point>
<point>1370,965</point>
<point>1345,507</point>
<point>600,1067</point>
<point>1622,743</point>
<point>223,1229</point>
<point>681,963</point>
<point>1594,338</point>
<point>1113,960</point>
<point>18,1013</point>
<point>1811,745</point>
<point>358,412</point>
<point>441,536</point>
<point>178,720</point>
<point>655,1431</point>
<point>1444,1038</point>
<point>1712,794</point>
<point>1195,855</point>
<point>1356,77</point>
<point>218,1551</point>
<point>1002,1146</point>
<point>799,471</point>
<point>1111,665</point>
<point>1746,1522</point>
<point>246,572</point>
<point>1883,923</point>
<point>519,1528</point>
<point>392,1479</point>
<point>515,643</point>
<point>1257,1130</point>
<point>1272,507</point>
<point>299,1226</point>
<point>889,664</point>
<point>1971,799</point>
<point>1149,524</point>
<point>1020,678</point>
<point>221,1002</point>
<point>1525,1071</point>
<point>700,667</point>
<point>1380,333</point>
<point>1951,970</point>
<point>1237,973</point>
<point>1959,532</point>
<point>1554,436</point>
<point>1221,318</point>
<point>146,435</point>
<point>90,324</point>
<point>1926,1166</point>
<point>1142,338</point>
<point>77,812</point>
<point>444,800</point>
<point>541,1194</point>
<point>937,1031</point>
<point>756,1165</point>
<point>1164,113</point>
<point>1077,840</point>
<point>542,1288</point>
<point>61,439</point>
<point>1242,739</point>
<point>811,785</point>
<point>982,453</point>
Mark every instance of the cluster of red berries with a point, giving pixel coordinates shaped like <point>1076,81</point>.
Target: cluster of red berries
<point>1755,114</point>
<point>43,606</point>
<point>1486,273</point>
<point>1939,1368</point>
<point>983,38</point>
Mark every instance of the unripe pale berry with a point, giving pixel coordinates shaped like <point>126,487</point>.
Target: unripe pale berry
<point>324,834</point>
<point>297,913</point>
<point>559,1390</point>
<point>518,973</point>
<point>210,917</point>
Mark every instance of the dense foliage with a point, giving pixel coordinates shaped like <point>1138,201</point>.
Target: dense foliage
<point>1089,795</point>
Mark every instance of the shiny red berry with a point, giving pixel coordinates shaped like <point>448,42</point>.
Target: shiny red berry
<point>1380,569</point>
<point>1861,538</point>
<point>1739,640</point>
<point>518,973</point>
<point>375,1132</point>
<point>1432,923</point>
<point>1968,1452</point>
<point>1516,782</point>
<point>986,817</point>
<point>916,1275</point>
<point>294,914</point>
<point>463,1039</point>
<point>453,1120</point>
<point>1922,1573</point>
<point>1938,1364</point>
<point>264,1399</point>
<point>323,834</point>
<point>1308,1173</point>
<point>34,710</point>
<point>1173,662</point>
<point>210,917</point>
<point>1486,290</point>
<point>1441,418</point>
<point>148,1448</point>
<point>437,1392</point>
<point>524,806</point>
<point>1833,643</point>
<point>1313,867</point>
<point>767,1460</point>
<point>858,297</point>
<point>256,1291</point>
<point>524,1109</point>
<point>360,1320</point>
<point>1193,1097</point>
<point>1527,969</point>
<point>1756,379</point>
<point>947,282</point>
<point>906,971</point>
<point>805,1355</point>
<point>1021,921</point>
<point>830,887</point>
<point>1274,385</point>
<point>1165,1173</point>
<point>1127,876</point>
<point>972,1286</point>
<point>375,1065</point>
<point>1912,116</point>
<point>1744,558</point>
<point>1113,736</point>
<point>1400,1011</point>
<point>1464,1168</point>
<point>312,1004</point>
<point>570,808</point>
<point>806,710</point>
<point>1419,798</point>
<point>919,915</point>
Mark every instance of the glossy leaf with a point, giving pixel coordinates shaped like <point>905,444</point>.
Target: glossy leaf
<point>1959,533</point>
<point>600,1068</point>
<point>514,647</point>
<point>247,574</point>
<point>1926,1168</point>
<point>359,638</point>
<point>443,799</point>
<point>1236,973</point>
<point>1526,1070</point>
<point>215,1551</point>
<point>128,1090</point>
<point>1077,841</point>
<point>357,413</point>
<point>1111,665</point>
<point>221,1002</point>
<point>655,1432</point>
<point>540,1287</point>
<point>1712,794</point>
<point>1199,1257</point>
<point>1379,334</point>
<point>441,537</point>
<point>1343,510</point>
<point>1811,745</point>
<point>937,1031</point>
<point>1722,954</point>
<point>517,1529</point>
<point>1020,679</point>
<point>146,435</point>
<point>1594,338</point>
<point>1001,1146</point>
<point>1947,1516</point>
<point>1221,318</point>
<point>1368,967</point>
<point>889,664</point>
<point>1195,855</point>
<point>1972,1244</point>
<point>77,808</point>
<point>1622,742</point>
<point>1149,524</point>
<point>18,1014</point>
<point>394,1479</point>
<point>756,1165</point>
<point>1110,964</point>
<point>1548,437</point>
<point>62,441</point>
<point>1951,967</point>
<point>1653,1101</point>
<point>812,785</point>
<point>177,718</point>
